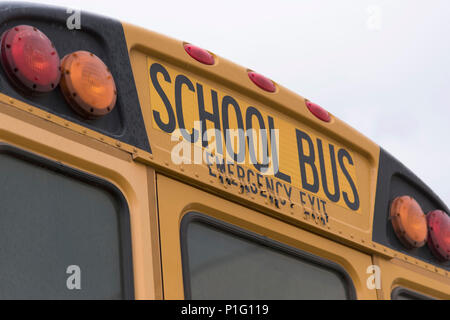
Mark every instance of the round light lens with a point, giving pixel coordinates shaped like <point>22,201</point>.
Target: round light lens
<point>439,234</point>
<point>409,222</point>
<point>87,84</point>
<point>29,59</point>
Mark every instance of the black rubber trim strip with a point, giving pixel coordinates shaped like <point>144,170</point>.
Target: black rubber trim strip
<point>413,294</point>
<point>251,236</point>
<point>124,213</point>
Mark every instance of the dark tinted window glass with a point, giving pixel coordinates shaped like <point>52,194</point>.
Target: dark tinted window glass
<point>400,293</point>
<point>50,221</point>
<point>225,265</point>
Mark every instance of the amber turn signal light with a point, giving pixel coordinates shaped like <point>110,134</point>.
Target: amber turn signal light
<point>87,84</point>
<point>409,222</point>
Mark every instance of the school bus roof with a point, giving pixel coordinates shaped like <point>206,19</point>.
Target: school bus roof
<point>323,176</point>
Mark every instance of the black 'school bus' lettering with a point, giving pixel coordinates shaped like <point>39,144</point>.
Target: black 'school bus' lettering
<point>168,127</point>
<point>307,160</point>
<point>310,159</point>
<point>275,162</point>
<point>226,102</point>
<point>213,117</point>
<point>355,204</point>
<point>179,81</point>
<point>251,139</point>
<point>336,195</point>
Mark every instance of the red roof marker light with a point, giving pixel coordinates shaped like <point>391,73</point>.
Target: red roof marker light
<point>318,111</point>
<point>261,81</point>
<point>29,59</point>
<point>199,54</point>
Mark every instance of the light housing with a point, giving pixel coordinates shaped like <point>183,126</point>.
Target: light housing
<point>409,222</point>
<point>439,234</point>
<point>87,84</point>
<point>318,111</point>
<point>29,59</point>
<point>261,81</point>
<point>199,54</point>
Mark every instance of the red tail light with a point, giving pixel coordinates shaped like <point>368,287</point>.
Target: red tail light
<point>439,234</point>
<point>29,58</point>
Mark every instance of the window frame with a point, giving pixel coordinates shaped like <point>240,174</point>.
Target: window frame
<point>396,292</point>
<point>125,244</point>
<point>193,216</point>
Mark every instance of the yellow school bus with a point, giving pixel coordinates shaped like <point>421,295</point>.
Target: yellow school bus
<point>136,166</point>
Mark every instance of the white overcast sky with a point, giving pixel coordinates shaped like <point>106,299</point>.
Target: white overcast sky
<point>381,66</point>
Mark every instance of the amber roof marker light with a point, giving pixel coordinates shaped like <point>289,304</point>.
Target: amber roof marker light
<point>30,59</point>
<point>87,84</point>
<point>409,222</point>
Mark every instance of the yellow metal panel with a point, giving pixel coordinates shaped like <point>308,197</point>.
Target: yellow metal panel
<point>60,144</point>
<point>172,208</point>
<point>401,273</point>
<point>289,113</point>
<point>287,155</point>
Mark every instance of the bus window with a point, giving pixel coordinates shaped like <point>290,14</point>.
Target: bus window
<point>400,293</point>
<point>63,234</point>
<point>224,262</point>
